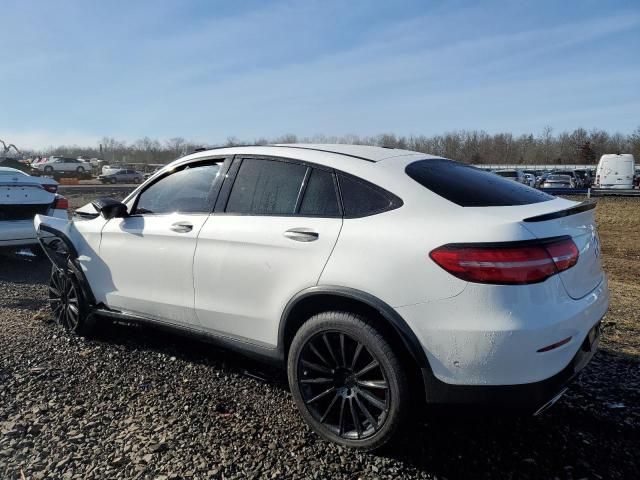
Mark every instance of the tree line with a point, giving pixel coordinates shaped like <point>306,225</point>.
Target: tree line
<point>470,146</point>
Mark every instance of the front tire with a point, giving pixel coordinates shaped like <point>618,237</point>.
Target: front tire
<point>347,382</point>
<point>69,306</point>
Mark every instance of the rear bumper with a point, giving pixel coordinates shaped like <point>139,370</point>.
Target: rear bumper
<point>17,232</point>
<point>494,335</point>
<point>626,186</point>
<point>22,232</point>
<point>529,397</point>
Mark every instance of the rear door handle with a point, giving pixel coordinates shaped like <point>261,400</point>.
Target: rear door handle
<point>301,234</point>
<point>181,227</point>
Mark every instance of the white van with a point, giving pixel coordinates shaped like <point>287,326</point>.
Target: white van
<point>615,171</point>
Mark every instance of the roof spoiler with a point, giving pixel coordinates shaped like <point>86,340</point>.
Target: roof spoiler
<point>582,207</point>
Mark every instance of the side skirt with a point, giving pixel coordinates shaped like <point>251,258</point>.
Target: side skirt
<point>272,356</point>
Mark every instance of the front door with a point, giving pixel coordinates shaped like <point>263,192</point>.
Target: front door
<point>150,253</point>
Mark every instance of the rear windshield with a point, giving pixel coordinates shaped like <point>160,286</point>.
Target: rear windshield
<point>471,187</point>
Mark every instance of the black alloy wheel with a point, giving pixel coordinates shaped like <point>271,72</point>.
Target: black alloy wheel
<point>64,299</point>
<point>343,385</point>
<point>68,304</point>
<point>346,380</point>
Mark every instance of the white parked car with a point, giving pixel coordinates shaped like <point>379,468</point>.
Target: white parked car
<point>530,179</point>
<point>615,171</point>
<point>377,276</point>
<point>62,164</point>
<point>22,197</point>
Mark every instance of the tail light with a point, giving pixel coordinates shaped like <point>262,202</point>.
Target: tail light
<point>597,179</point>
<point>507,264</point>
<point>50,188</point>
<point>61,203</point>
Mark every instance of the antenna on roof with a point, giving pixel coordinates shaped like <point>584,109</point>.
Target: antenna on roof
<point>199,149</point>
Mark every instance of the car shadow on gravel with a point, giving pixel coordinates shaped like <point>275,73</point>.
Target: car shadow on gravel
<point>26,265</point>
<point>592,432</point>
<point>186,348</point>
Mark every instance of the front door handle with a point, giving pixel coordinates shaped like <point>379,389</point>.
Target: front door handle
<point>301,234</point>
<point>181,227</point>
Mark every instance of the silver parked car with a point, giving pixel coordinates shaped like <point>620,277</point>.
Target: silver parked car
<point>122,176</point>
<point>558,181</point>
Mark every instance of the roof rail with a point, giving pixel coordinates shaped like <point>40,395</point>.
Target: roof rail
<point>301,147</point>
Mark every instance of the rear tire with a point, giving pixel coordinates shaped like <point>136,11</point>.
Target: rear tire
<point>80,170</point>
<point>113,181</point>
<point>68,304</point>
<point>347,382</point>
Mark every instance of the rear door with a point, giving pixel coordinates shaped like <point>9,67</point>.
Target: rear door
<point>275,225</point>
<point>147,257</point>
<point>617,172</point>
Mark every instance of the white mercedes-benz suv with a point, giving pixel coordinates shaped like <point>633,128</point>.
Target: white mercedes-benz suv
<point>377,276</point>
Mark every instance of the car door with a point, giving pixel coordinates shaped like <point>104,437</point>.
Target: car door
<point>272,232</point>
<point>67,165</point>
<point>148,255</point>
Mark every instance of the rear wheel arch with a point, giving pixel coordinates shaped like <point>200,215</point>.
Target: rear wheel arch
<point>385,319</point>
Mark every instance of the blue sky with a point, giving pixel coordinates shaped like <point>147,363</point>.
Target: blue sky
<point>74,71</point>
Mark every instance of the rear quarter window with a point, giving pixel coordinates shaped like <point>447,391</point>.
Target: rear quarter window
<point>361,198</point>
<point>468,186</point>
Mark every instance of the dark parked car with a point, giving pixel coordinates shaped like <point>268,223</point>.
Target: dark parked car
<point>577,181</point>
<point>558,181</point>
<point>122,176</point>
<point>585,177</point>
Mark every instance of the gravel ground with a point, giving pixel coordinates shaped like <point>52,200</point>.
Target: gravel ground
<point>138,403</point>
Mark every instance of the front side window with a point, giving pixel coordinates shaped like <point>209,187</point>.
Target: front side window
<point>190,190</point>
<point>266,187</point>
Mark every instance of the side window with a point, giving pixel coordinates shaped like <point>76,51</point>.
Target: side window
<point>320,196</point>
<point>361,198</point>
<point>266,187</point>
<point>190,190</point>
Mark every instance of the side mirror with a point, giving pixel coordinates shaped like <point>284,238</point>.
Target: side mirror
<point>110,208</point>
